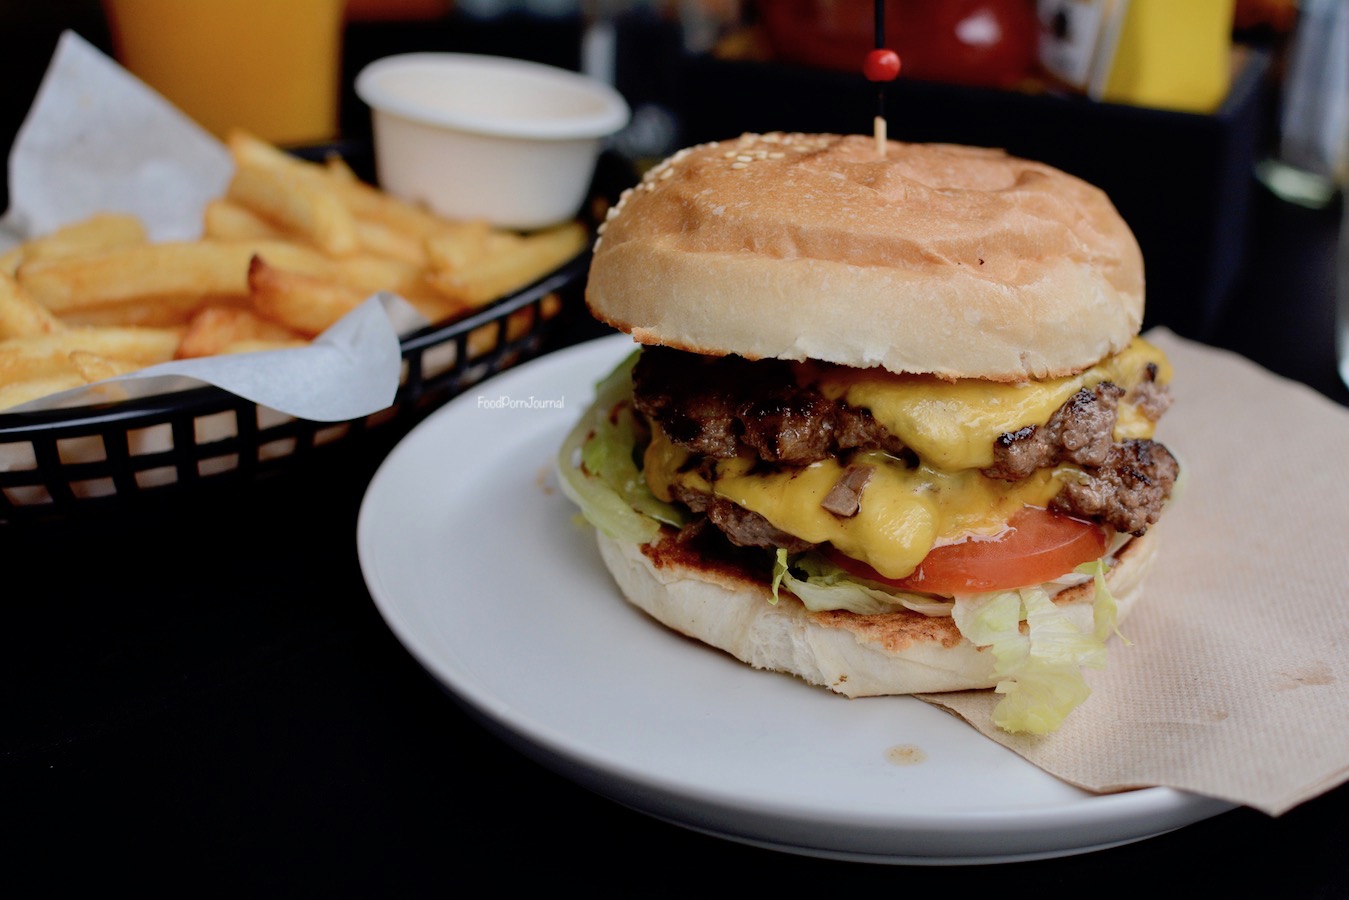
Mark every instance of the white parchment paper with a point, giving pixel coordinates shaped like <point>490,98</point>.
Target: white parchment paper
<point>98,140</point>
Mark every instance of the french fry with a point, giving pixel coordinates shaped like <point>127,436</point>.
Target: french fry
<point>20,314</point>
<point>10,260</point>
<point>334,177</point>
<point>303,303</point>
<point>287,254</point>
<point>461,244</point>
<point>370,274</point>
<point>96,234</point>
<point>338,169</point>
<point>297,205</point>
<point>208,270</point>
<point>226,220</point>
<point>247,149</point>
<point>151,312</point>
<point>510,264</point>
<point>381,239</point>
<point>76,369</point>
<point>14,393</point>
<point>369,202</point>
<point>199,269</point>
<point>93,367</point>
<point>215,329</point>
<point>40,356</point>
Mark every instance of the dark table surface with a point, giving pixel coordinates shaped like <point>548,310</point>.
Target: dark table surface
<point>200,697</point>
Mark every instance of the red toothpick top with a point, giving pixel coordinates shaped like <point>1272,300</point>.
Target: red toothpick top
<point>881,65</point>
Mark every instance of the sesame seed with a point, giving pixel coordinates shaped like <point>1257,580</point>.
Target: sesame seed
<point>739,165</point>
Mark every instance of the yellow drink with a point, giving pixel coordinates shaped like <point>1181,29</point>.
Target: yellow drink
<point>269,66</point>
<point>1173,55</point>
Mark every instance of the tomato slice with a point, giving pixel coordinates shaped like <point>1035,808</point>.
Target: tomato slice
<point>1037,546</point>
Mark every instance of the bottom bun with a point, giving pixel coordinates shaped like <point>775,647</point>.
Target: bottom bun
<point>902,652</point>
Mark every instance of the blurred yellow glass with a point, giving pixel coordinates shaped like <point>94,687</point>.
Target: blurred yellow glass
<point>269,66</point>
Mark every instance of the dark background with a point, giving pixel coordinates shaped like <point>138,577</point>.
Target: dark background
<point>200,698</point>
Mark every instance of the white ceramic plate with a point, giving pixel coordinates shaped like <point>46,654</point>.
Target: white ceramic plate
<point>474,559</point>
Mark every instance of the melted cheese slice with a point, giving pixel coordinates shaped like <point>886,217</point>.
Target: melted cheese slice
<point>952,425</point>
<point>903,513</point>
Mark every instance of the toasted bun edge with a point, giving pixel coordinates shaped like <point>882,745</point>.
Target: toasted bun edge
<point>893,653</point>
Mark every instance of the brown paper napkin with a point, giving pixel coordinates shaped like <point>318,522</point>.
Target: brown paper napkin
<point>1235,684</point>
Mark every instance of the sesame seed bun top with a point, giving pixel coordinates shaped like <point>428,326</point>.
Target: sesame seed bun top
<point>935,258</point>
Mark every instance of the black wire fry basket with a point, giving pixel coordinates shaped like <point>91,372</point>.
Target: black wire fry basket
<point>61,462</point>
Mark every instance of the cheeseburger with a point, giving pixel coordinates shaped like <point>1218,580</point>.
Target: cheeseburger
<point>890,424</point>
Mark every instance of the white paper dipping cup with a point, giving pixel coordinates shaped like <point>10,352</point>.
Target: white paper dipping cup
<point>485,137</point>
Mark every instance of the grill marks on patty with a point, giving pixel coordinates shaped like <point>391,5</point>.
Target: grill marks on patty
<point>1081,431</point>
<point>723,407</point>
<point>1124,484</point>
<point>1126,492</point>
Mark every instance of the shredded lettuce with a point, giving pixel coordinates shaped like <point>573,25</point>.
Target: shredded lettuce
<point>826,586</point>
<point>1104,609</point>
<point>598,471</point>
<point>1039,672</point>
<point>780,571</point>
